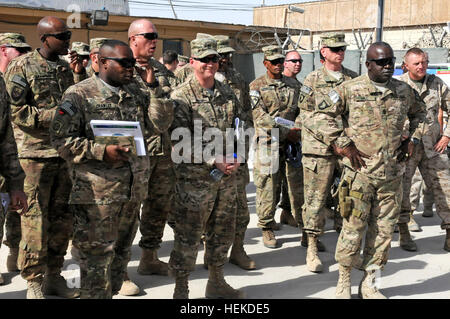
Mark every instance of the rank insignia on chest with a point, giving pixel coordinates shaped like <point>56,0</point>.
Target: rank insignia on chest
<point>255,97</point>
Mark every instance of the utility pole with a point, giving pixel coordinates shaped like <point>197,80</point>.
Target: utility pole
<point>174,13</point>
<point>380,20</point>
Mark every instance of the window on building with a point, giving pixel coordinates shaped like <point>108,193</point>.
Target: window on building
<point>175,45</point>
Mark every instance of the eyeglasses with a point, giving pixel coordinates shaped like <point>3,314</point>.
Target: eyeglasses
<point>149,35</point>
<point>384,61</point>
<point>63,36</point>
<point>19,49</point>
<point>337,49</point>
<point>208,59</point>
<point>295,61</point>
<point>125,62</point>
<point>276,61</point>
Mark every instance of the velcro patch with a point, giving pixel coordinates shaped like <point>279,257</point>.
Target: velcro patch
<point>19,80</point>
<point>68,108</point>
<point>334,96</point>
<point>323,105</point>
<point>17,92</point>
<point>306,89</point>
<point>255,97</point>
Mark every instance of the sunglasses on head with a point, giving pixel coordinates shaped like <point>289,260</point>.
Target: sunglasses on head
<point>295,61</point>
<point>125,62</point>
<point>276,61</point>
<point>337,49</point>
<point>383,62</point>
<point>207,59</point>
<point>20,49</point>
<point>149,35</point>
<point>63,36</point>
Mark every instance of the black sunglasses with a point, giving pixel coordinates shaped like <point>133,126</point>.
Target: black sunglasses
<point>149,35</point>
<point>63,36</point>
<point>337,49</point>
<point>276,61</point>
<point>383,62</point>
<point>207,59</point>
<point>125,62</point>
<point>295,61</point>
<point>20,49</point>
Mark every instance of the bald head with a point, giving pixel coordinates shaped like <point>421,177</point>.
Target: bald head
<point>50,25</point>
<point>140,26</point>
<point>378,48</point>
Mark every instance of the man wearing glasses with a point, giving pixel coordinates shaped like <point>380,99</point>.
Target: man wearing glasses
<point>319,162</point>
<point>272,95</point>
<point>12,45</point>
<point>362,121</point>
<point>35,83</point>
<point>204,204</point>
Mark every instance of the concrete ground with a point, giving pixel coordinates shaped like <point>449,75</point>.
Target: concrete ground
<point>282,272</point>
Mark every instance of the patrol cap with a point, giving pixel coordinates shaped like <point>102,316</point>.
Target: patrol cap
<point>223,44</point>
<point>204,36</point>
<point>183,58</point>
<point>15,40</point>
<point>333,40</point>
<point>80,48</point>
<point>273,52</point>
<point>96,43</point>
<point>201,48</point>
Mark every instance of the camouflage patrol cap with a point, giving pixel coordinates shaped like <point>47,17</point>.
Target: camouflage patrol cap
<point>201,48</point>
<point>273,52</point>
<point>333,40</point>
<point>183,58</point>
<point>80,48</point>
<point>15,40</point>
<point>223,44</point>
<point>204,36</point>
<point>96,43</point>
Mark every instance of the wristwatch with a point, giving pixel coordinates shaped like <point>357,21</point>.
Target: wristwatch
<point>153,85</point>
<point>415,140</point>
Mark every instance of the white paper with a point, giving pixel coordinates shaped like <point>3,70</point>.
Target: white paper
<point>120,128</point>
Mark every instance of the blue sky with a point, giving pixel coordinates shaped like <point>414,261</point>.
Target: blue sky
<point>225,11</point>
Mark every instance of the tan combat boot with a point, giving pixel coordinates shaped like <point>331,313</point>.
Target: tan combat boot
<point>287,219</point>
<point>217,287</point>
<point>313,262</point>
<point>412,225</point>
<point>34,289</point>
<point>367,287</point>
<point>128,288</point>
<point>11,260</point>
<point>150,264</point>
<point>447,241</point>
<point>343,289</point>
<point>239,257</point>
<point>181,290</point>
<point>406,241</point>
<point>56,285</point>
<point>304,242</point>
<point>269,239</point>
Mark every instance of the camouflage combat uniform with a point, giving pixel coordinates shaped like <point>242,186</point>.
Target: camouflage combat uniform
<point>319,162</point>
<point>419,189</point>
<point>434,167</point>
<point>35,87</point>
<point>184,72</point>
<point>373,122</point>
<point>106,197</point>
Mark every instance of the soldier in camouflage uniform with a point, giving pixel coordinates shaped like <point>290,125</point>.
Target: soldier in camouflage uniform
<point>109,180</point>
<point>182,61</point>
<point>363,119</point>
<point>94,45</point>
<point>228,75</point>
<point>273,95</point>
<point>11,172</point>
<point>319,162</point>
<point>204,204</point>
<point>82,51</point>
<point>170,60</point>
<point>35,83</point>
<point>429,155</point>
<point>418,190</point>
<point>156,208</point>
<point>12,45</point>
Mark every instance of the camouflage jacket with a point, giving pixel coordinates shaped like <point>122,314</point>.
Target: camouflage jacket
<point>436,95</point>
<point>163,76</point>
<point>316,86</point>
<point>90,71</point>
<point>94,180</point>
<point>10,168</point>
<point>197,114</point>
<point>273,98</point>
<point>373,121</point>
<point>35,89</point>
<point>183,73</point>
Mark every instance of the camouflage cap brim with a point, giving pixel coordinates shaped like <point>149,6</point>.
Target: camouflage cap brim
<point>206,53</point>
<point>226,50</point>
<point>337,44</point>
<point>19,45</point>
<point>274,57</point>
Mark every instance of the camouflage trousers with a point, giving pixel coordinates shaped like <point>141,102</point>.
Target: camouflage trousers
<point>268,187</point>
<point>203,206</point>
<point>285,202</point>
<point>48,223</point>
<point>104,235</point>
<point>419,189</point>
<point>242,213</point>
<point>318,172</point>
<point>13,230</point>
<point>158,205</point>
<point>378,210</point>
<point>436,175</point>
